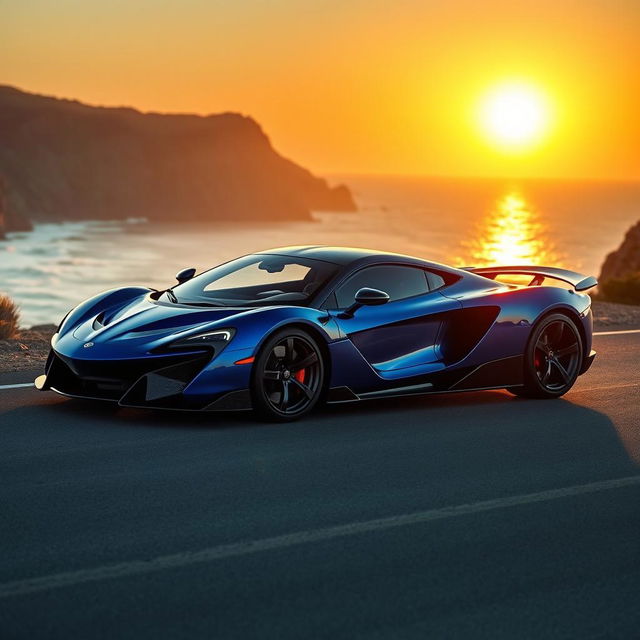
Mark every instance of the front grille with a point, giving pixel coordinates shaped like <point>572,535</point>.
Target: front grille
<point>111,379</point>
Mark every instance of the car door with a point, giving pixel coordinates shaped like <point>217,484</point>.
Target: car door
<point>399,338</point>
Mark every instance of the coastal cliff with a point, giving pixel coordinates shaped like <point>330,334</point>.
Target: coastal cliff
<point>620,275</point>
<point>625,259</point>
<point>9,220</point>
<point>64,160</point>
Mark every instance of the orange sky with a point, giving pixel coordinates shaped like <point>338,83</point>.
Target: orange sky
<point>354,85</point>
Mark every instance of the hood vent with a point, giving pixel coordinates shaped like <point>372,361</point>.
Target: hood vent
<point>99,322</point>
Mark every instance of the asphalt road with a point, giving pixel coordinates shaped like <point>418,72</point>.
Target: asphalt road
<point>455,516</point>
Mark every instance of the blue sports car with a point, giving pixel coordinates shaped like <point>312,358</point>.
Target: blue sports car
<point>283,330</point>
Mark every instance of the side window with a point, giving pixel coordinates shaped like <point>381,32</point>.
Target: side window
<point>399,282</point>
<point>435,280</point>
<point>330,302</point>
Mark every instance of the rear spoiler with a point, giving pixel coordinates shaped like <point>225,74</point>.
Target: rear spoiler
<point>578,281</point>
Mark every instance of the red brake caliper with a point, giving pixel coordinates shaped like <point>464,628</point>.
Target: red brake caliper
<point>537,360</point>
<point>299,375</point>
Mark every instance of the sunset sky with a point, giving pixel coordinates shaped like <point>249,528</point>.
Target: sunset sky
<point>402,87</point>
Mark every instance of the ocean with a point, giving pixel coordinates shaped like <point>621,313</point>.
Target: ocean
<point>456,221</point>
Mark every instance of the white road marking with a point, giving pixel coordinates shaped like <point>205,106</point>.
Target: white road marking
<point>220,552</point>
<point>615,333</point>
<point>16,386</point>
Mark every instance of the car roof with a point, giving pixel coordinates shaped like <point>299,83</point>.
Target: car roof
<point>345,255</point>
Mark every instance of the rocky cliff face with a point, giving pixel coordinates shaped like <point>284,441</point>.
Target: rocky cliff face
<point>66,160</point>
<point>625,260</point>
<point>9,220</point>
<point>620,276</point>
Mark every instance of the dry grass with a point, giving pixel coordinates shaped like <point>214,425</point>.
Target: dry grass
<point>9,317</point>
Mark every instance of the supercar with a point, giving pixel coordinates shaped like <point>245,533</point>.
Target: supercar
<point>282,330</point>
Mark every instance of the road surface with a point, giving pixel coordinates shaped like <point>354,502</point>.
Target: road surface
<point>452,516</point>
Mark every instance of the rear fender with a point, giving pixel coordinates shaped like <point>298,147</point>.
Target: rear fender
<point>520,309</point>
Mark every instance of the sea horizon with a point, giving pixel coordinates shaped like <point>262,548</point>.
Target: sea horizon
<point>457,221</point>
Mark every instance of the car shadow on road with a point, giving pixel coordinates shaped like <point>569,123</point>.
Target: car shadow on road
<point>95,411</point>
<point>564,420</point>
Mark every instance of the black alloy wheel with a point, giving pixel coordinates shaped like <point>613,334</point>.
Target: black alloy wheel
<point>552,360</point>
<point>288,376</point>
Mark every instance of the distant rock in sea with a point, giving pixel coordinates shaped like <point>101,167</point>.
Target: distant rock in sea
<point>9,220</point>
<point>64,160</point>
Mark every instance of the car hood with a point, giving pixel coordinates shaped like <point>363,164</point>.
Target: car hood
<point>139,325</point>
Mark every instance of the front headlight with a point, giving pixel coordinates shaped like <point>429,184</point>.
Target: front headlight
<point>216,340</point>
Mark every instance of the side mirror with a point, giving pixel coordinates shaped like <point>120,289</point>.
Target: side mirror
<point>366,297</point>
<point>185,274</point>
<point>371,297</point>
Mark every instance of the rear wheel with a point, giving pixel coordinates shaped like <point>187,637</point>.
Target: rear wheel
<point>552,358</point>
<point>288,376</point>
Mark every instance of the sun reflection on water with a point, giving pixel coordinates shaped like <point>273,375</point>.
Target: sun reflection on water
<point>512,234</point>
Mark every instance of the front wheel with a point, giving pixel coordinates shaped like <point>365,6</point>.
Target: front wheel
<point>552,359</point>
<point>288,376</point>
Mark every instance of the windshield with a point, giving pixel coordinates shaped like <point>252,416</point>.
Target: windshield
<point>256,280</point>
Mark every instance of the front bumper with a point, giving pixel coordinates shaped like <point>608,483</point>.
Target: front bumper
<point>182,381</point>
<point>587,362</point>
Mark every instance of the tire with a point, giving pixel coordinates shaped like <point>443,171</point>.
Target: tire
<point>552,358</point>
<point>288,376</point>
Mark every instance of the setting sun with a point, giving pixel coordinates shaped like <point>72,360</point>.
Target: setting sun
<point>514,116</point>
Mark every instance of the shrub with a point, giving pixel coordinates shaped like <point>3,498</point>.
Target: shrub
<point>8,318</point>
<point>625,290</point>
